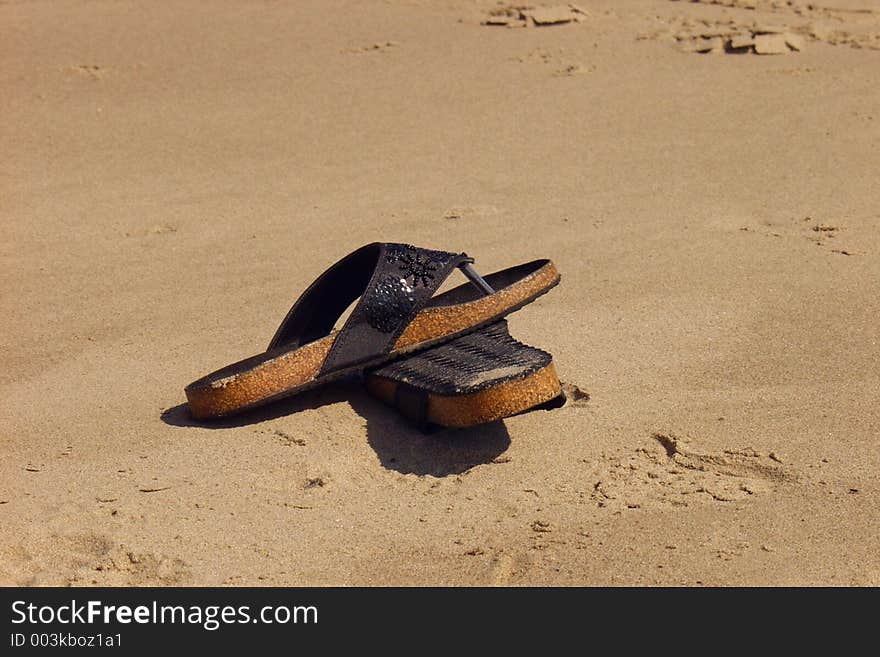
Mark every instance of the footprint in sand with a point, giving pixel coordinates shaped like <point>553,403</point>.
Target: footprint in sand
<point>89,559</point>
<point>668,471</point>
<point>731,37</point>
<point>745,30</point>
<point>521,16</point>
<point>820,233</point>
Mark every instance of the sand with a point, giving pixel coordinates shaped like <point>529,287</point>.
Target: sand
<point>175,174</point>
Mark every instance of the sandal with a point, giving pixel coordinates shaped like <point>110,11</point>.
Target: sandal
<point>396,314</point>
<point>480,377</point>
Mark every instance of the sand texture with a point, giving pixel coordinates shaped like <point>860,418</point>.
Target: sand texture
<point>703,174</point>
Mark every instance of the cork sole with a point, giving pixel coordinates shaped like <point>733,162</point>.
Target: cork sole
<point>487,405</point>
<point>284,371</point>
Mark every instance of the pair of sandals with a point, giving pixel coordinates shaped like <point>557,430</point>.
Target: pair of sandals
<point>447,359</point>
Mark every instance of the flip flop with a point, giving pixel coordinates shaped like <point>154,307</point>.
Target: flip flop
<point>480,377</point>
<point>396,314</point>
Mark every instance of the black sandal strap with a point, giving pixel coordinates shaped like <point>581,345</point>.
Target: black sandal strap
<point>405,278</point>
<point>394,282</point>
<point>314,314</point>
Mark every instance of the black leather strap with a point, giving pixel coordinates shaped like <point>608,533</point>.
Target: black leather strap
<point>394,282</point>
<point>314,314</point>
<point>405,278</point>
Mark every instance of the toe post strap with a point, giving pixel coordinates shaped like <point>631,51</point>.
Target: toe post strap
<point>475,278</point>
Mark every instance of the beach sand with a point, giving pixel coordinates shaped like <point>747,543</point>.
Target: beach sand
<point>176,173</point>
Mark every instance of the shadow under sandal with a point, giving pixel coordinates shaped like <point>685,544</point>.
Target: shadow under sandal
<point>477,378</point>
<point>396,313</point>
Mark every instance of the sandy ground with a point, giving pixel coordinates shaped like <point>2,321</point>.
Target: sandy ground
<point>175,173</point>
